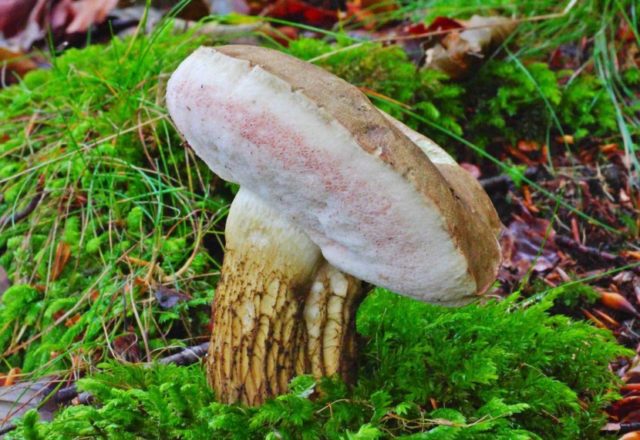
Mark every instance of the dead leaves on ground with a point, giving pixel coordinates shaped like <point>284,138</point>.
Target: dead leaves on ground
<point>23,22</point>
<point>461,49</point>
<point>16,398</point>
<point>553,245</point>
<point>14,65</point>
<point>62,255</point>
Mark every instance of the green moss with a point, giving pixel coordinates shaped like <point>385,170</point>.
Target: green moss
<point>135,219</point>
<point>587,108</point>
<point>390,77</point>
<point>509,103</point>
<point>94,114</point>
<point>497,371</point>
<point>505,101</point>
<point>16,302</point>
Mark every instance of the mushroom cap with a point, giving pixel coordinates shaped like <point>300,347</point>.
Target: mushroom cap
<point>314,147</point>
<point>463,183</point>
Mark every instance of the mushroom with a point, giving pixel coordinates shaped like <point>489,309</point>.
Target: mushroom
<point>333,193</point>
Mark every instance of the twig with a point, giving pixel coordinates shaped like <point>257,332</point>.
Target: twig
<point>9,219</point>
<point>502,181</point>
<point>189,355</point>
<point>217,30</point>
<point>591,252</point>
<point>66,394</point>
<point>4,429</point>
<point>621,428</point>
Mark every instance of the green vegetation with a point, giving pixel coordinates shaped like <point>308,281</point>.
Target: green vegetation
<point>387,72</point>
<point>128,214</point>
<point>504,102</point>
<point>125,207</point>
<point>498,371</point>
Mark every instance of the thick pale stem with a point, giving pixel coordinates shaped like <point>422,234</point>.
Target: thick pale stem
<point>280,309</point>
<point>267,270</point>
<point>329,315</point>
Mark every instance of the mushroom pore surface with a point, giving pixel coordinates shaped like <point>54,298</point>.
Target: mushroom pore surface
<point>315,149</point>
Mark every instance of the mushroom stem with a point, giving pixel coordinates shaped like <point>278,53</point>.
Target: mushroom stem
<point>329,316</point>
<point>280,309</point>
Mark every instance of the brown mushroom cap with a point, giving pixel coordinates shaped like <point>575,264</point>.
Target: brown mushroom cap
<point>314,147</point>
<point>463,183</point>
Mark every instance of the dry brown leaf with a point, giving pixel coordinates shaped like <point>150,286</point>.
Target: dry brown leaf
<point>527,245</point>
<point>168,297</point>
<point>63,253</point>
<point>460,50</point>
<point>126,347</point>
<point>14,65</point>
<point>88,12</point>
<point>73,320</point>
<point>20,397</point>
<point>23,22</point>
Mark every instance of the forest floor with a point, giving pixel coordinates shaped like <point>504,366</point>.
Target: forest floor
<point>111,233</point>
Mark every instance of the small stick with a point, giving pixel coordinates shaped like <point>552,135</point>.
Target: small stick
<point>66,394</point>
<point>4,429</point>
<point>621,428</point>
<point>31,206</point>
<point>592,252</point>
<point>189,355</point>
<point>503,180</point>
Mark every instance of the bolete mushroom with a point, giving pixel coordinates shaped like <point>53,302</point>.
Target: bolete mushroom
<point>333,193</point>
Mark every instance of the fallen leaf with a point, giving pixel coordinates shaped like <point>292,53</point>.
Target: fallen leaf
<point>528,146</point>
<point>25,21</point>
<point>73,320</point>
<point>168,298</point>
<point>22,23</point>
<point>565,139</point>
<point>528,200</point>
<point>625,405</point>
<point>18,398</point>
<point>609,148</point>
<point>472,169</point>
<point>458,51</point>
<point>87,12</point>
<point>63,253</point>
<point>126,347</point>
<point>527,244</point>
<point>14,15</point>
<point>630,387</point>
<point>300,11</point>
<point>631,254</point>
<point>11,377</point>
<point>14,65</point>
<point>370,13</point>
